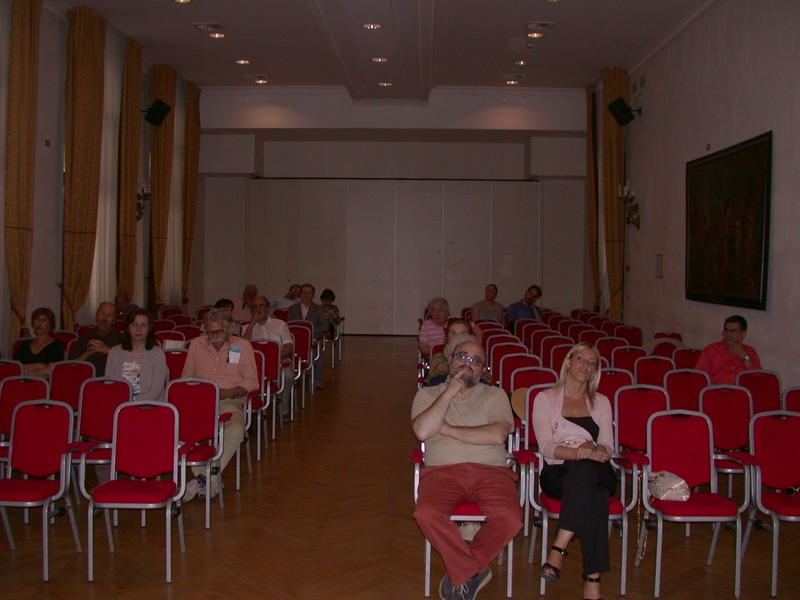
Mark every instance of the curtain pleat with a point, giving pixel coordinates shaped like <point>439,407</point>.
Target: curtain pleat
<point>190,183</point>
<point>83,134</point>
<point>163,79</point>
<point>591,196</point>
<point>21,153</point>
<point>129,142</point>
<point>615,85</point>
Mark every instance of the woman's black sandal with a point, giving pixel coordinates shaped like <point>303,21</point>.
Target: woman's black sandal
<point>587,579</point>
<point>550,573</point>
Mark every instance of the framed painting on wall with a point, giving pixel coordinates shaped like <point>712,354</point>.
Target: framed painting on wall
<point>727,224</point>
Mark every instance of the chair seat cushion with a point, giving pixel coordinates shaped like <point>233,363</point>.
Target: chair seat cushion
<point>468,509</point>
<point>201,454</point>
<point>699,504</point>
<point>787,506</point>
<point>553,506</point>
<point>123,491</point>
<point>27,490</point>
<point>258,403</point>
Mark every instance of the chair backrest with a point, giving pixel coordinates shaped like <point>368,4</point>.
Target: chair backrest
<point>664,349</point>
<point>530,436</point>
<point>163,324</point>
<point>547,345</point>
<point>99,399</point>
<point>575,330</point>
<point>525,377</point>
<point>633,405</point>
<point>66,379</point>
<point>302,343</point>
<point>519,324</point>
<point>524,332</point>
<point>597,321</point>
<point>563,326</point>
<point>557,355</point>
<point>775,441</point>
<point>197,401</point>
<point>606,345</point>
<point>613,379</point>
<point>201,312</point>
<point>170,335</point>
<point>181,319</point>
<point>489,325</point>
<point>632,333</point>
<point>488,334</point>
<point>84,329</point>
<point>510,362</point>
<point>791,399</point>
<point>535,340</point>
<point>189,331</point>
<point>609,326</point>
<point>668,334</point>
<point>496,354</point>
<point>591,335</point>
<point>260,372</point>
<point>15,390</point>
<point>730,408</point>
<point>624,357</point>
<point>436,348</point>
<point>145,442</point>
<point>496,340</point>
<point>692,458</point>
<point>16,344</point>
<point>650,370</point>
<point>765,386</point>
<point>283,313</point>
<point>39,432</point>
<point>272,357</point>
<point>684,387</point>
<point>10,368</point>
<point>168,311</point>
<point>176,359</point>
<point>686,358</point>
<point>65,336</point>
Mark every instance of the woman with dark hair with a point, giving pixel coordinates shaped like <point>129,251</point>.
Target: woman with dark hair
<point>138,359</point>
<point>41,351</point>
<point>573,426</point>
<point>327,298</point>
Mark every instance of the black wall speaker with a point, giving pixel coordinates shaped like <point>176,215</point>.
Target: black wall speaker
<point>159,110</point>
<point>621,112</point>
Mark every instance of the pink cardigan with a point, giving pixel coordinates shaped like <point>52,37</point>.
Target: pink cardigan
<point>552,429</point>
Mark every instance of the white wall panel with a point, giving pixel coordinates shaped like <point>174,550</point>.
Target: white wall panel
<point>225,251</point>
<point>227,153</point>
<point>558,156</point>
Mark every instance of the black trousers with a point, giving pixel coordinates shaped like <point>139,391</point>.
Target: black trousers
<point>584,487</point>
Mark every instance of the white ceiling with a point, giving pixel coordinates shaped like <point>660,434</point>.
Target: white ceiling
<point>428,43</point>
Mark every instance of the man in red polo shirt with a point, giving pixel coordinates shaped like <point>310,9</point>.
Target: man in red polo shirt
<point>725,359</point>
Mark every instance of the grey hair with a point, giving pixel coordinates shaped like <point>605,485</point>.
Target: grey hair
<point>219,315</point>
<point>456,341</point>
<point>438,300</point>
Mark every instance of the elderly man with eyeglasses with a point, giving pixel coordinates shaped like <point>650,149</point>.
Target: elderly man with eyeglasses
<point>229,362</point>
<point>464,424</point>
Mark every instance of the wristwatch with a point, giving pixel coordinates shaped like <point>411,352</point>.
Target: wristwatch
<point>745,358</point>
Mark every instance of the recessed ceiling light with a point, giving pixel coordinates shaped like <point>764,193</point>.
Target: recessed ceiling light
<point>380,59</point>
<point>216,35</point>
<point>242,61</point>
<point>385,84</point>
<point>521,63</point>
<point>535,34</point>
<point>182,1</point>
<point>371,26</point>
<point>261,80</point>
<point>512,82</point>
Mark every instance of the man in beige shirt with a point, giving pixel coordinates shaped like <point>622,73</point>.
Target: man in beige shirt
<point>464,424</point>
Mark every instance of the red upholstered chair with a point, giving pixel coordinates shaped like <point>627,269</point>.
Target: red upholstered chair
<point>668,334</point>
<point>163,325</point>
<point>525,332</point>
<point>650,370</point>
<point>15,390</point>
<point>201,312</point>
<point>665,349</point>
<point>693,461</point>
<point>520,323</point>
<point>189,331</point>
<point>557,355</point>
<point>66,379</point>
<point>510,363</point>
<point>168,311</point>
<point>585,315</point>
<point>775,443</point>
<point>591,336</point>
<point>303,355</point>
<point>180,319</point>
<point>274,382</point>
<point>632,333</point>
<point>201,428</point>
<point>66,337</point>
<point>606,345</point>
<point>10,368</point>
<point>686,358</point>
<point>84,329</point>
<point>577,329</point>
<point>624,357</point>
<point>791,399</point>
<point>257,403</point>
<point>526,377</point>
<point>554,320</point>
<point>563,326</point>
<point>16,344</point>
<point>283,313</point>
<point>489,334</point>
<point>40,432</point>
<point>765,386</point>
<point>611,380</point>
<point>176,359</point>
<point>609,326</point>
<point>496,354</point>
<point>684,387</point>
<point>547,346</point>
<point>597,322</point>
<point>536,338</point>
<point>488,325</point>
<point>145,448</point>
<point>162,337</point>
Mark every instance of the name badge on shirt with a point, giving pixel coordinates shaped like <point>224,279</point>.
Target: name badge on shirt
<point>234,354</point>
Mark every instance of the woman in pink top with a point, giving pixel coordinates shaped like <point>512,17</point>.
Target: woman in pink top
<point>573,426</point>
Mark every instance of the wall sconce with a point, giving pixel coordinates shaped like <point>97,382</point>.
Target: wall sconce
<point>141,197</point>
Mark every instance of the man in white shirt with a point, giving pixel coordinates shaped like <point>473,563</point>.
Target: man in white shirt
<point>284,302</point>
<point>264,327</point>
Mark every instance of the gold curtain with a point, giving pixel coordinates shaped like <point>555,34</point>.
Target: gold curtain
<point>191,161</point>
<point>615,85</point>
<point>163,79</point>
<point>129,141</point>
<point>591,196</point>
<point>23,76</point>
<point>83,133</point>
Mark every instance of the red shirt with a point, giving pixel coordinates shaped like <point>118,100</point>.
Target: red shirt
<point>723,366</point>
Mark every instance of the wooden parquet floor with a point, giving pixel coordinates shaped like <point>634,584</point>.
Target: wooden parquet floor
<point>327,514</point>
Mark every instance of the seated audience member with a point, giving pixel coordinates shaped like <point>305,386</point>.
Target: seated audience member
<point>488,308</point>
<point>464,425</point>
<point>284,302</point>
<point>229,362</point>
<point>123,305</point>
<point>39,353</point>
<point>327,298</point>
<point>307,310</point>
<point>264,327</point>
<point>431,332</point>
<point>725,359</point>
<point>241,306</point>
<point>226,304</point>
<point>456,327</point>
<point>573,425</point>
<point>525,308</point>
<point>138,359</point>
<point>95,345</point>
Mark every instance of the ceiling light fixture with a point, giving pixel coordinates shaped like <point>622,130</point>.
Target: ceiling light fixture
<point>216,35</point>
<point>535,34</point>
<point>371,26</point>
<point>182,1</point>
<point>242,61</point>
<point>512,82</point>
<point>385,84</point>
<point>261,80</point>
<point>380,59</point>
<point>521,63</point>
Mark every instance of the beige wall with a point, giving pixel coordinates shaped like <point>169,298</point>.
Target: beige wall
<point>731,75</point>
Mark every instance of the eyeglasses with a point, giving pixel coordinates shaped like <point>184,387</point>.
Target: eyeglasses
<point>466,358</point>
<point>791,491</point>
<point>259,306</point>
<point>731,331</point>
<point>214,332</point>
